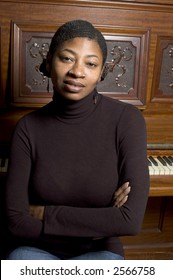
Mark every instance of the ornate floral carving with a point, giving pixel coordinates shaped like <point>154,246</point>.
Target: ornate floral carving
<point>37,51</point>
<point>120,56</point>
<point>166,73</point>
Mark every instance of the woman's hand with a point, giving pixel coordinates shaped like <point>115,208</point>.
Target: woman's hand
<point>36,211</point>
<point>121,195</point>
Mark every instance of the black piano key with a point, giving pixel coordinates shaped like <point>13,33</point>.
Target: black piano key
<point>167,160</point>
<point>170,158</point>
<point>153,160</point>
<point>149,163</point>
<point>163,162</point>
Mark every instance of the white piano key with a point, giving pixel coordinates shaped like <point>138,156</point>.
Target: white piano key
<point>167,170</point>
<point>151,170</point>
<point>171,170</point>
<point>156,170</point>
<point>169,164</point>
<point>162,169</point>
<point>159,169</point>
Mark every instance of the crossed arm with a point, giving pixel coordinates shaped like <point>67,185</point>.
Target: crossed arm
<point>120,197</point>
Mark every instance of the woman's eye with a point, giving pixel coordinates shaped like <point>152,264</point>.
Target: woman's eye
<point>66,59</point>
<point>92,64</point>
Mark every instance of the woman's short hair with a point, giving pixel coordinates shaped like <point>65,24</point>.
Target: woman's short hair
<point>72,29</point>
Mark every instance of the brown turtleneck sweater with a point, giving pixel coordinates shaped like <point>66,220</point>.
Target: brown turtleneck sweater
<point>71,156</point>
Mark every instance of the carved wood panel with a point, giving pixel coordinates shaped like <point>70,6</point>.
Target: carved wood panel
<point>126,66</point>
<point>162,90</point>
<point>125,70</point>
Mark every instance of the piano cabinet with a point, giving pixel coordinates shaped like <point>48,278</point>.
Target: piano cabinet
<point>155,240</point>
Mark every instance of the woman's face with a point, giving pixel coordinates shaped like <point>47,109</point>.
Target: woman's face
<point>76,68</point>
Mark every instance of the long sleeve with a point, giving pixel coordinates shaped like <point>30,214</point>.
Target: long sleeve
<point>20,223</point>
<point>73,167</point>
<point>111,221</point>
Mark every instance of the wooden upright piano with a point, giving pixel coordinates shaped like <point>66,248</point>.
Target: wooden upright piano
<point>139,68</point>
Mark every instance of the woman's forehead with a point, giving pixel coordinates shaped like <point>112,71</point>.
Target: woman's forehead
<point>81,44</point>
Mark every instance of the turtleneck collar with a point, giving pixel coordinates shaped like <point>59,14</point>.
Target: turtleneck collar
<point>74,111</point>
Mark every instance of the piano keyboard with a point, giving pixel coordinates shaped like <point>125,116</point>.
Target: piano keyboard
<point>158,165</point>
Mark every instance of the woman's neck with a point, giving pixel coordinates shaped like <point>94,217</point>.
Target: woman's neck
<point>66,109</point>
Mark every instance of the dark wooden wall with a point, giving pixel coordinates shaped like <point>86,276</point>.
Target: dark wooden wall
<point>138,31</point>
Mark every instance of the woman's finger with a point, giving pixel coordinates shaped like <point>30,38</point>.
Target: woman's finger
<point>122,188</point>
<point>121,203</point>
<point>123,193</point>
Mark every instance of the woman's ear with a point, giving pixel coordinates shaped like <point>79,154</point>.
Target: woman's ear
<point>45,66</point>
<point>104,72</point>
<point>101,74</point>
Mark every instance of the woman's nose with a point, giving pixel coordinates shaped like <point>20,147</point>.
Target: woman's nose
<point>77,71</point>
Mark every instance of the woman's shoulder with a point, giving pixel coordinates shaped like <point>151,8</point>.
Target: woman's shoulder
<point>119,106</point>
<point>36,115</point>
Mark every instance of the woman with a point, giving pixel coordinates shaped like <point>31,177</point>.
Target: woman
<point>70,156</point>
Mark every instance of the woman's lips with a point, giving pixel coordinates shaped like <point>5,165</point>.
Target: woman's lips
<point>73,86</point>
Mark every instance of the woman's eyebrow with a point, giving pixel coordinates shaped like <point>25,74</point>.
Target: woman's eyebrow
<point>74,53</point>
<point>69,50</point>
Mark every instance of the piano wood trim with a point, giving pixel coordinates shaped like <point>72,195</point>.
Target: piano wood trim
<point>161,185</point>
<point>164,253</point>
<point>160,150</point>
<point>164,147</point>
<point>145,5</point>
